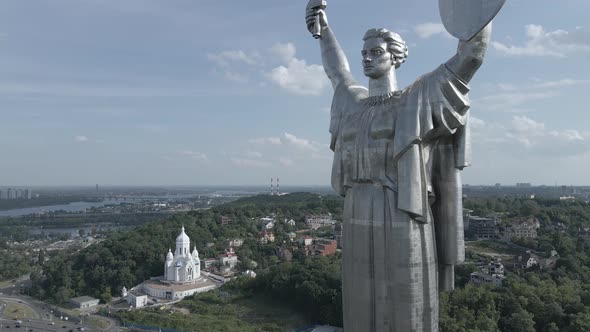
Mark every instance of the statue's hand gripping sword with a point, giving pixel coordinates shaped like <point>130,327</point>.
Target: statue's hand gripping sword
<point>316,30</point>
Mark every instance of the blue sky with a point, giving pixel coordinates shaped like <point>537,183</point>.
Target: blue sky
<point>232,92</point>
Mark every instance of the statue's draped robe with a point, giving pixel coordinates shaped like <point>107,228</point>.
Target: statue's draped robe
<point>396,161</point>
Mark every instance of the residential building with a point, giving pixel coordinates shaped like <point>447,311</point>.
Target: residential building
<point>483,228</point>
<point>526,261</point>
<point>530,259</point>
<point>324,247</point>
<point>228,258</point>
<point>338,234</point>
<point>235,243</point>
<point>84,302</point>
<point>317,221</point>
<point>266,220</point>
<point>137,299</point>
<point>209,262</point>
<point>524,228</point>
<point>494,274</point>
<point>224,220</point>
<point>306,240</point>
<point>266,236</point>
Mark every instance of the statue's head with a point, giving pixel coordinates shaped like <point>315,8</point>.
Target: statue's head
<point>383,51</point>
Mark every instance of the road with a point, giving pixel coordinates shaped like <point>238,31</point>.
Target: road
<point>43,318</point>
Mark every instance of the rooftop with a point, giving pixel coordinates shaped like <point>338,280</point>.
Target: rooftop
<point>81,299</point>
<point>157,284</point>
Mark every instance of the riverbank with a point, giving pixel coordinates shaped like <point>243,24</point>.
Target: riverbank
<point>40,202</point>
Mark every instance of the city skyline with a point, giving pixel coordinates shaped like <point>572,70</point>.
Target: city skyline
<point>213,93</point>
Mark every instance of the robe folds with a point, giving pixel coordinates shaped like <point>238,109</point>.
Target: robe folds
<point>397,160</point>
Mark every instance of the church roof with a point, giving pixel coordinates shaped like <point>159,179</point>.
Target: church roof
<point>182,237</point>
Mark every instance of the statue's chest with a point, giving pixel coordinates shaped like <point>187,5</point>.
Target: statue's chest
<point>366,141</point>
<point>372,125</point>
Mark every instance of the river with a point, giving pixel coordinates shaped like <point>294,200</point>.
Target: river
<point>71,207</point>
<point>83,206</point>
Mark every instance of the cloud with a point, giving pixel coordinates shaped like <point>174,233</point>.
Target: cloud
<point>285,51</point>
<point>252,154</point>
<point>558,43</point>
<point>476,123</point>
<point>287,162</point>
<point>525,137</point>
<point>560,83</point>
<point>301,143</point>
<point>509,97</point>
<point>299,78</point>
<point>250,163</point>
<point>291,74</point>
<point>266,140</point>
<point>60,89</point>
<point>427,30</point>
<point>227,58</point>
<point>508,102</point>
<point>81,139</point>
<point>193,155</point>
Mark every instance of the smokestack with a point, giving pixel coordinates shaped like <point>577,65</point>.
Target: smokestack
<point>271,187</point>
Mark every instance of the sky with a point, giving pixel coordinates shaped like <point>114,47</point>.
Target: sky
<point>185,92</point>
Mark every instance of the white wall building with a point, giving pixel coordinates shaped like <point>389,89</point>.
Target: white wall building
<point>182,273</point>
<point>182,266</point>
<point>137,300</point>
<point>317,221</point>
<point>228,258</point>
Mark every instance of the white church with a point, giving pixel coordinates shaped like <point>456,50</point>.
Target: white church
<point>182,266</point>
<point>182,273</point>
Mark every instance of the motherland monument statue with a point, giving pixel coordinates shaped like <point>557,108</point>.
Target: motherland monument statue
<point>397,158</point>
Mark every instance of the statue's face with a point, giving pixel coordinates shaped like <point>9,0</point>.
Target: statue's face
<point>377,61</point>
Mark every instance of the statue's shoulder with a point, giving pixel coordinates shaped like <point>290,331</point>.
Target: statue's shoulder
<point>438,79</point>
<point>350,92</point>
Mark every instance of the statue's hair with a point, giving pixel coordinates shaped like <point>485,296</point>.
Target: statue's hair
<point>395,44</point>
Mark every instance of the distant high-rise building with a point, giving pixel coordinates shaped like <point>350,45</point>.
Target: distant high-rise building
<point>11,193</point>
<point>97,187</point>
<point>523,185</point>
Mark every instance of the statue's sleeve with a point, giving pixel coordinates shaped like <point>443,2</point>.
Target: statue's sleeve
<point>345,100</point>
<point>434,107</point>
<point>435,118</point>
<point>451,153</point>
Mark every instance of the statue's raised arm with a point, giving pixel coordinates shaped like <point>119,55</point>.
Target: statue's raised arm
<point>333,58</point>
<point>470,55</point>
<point>470,22</point>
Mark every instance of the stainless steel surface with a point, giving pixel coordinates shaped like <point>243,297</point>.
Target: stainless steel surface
<point>465,18</point>
<point>315,6</point>
<point>397,158</point>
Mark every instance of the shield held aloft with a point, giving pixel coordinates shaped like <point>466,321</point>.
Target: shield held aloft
<point>465,18</point>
